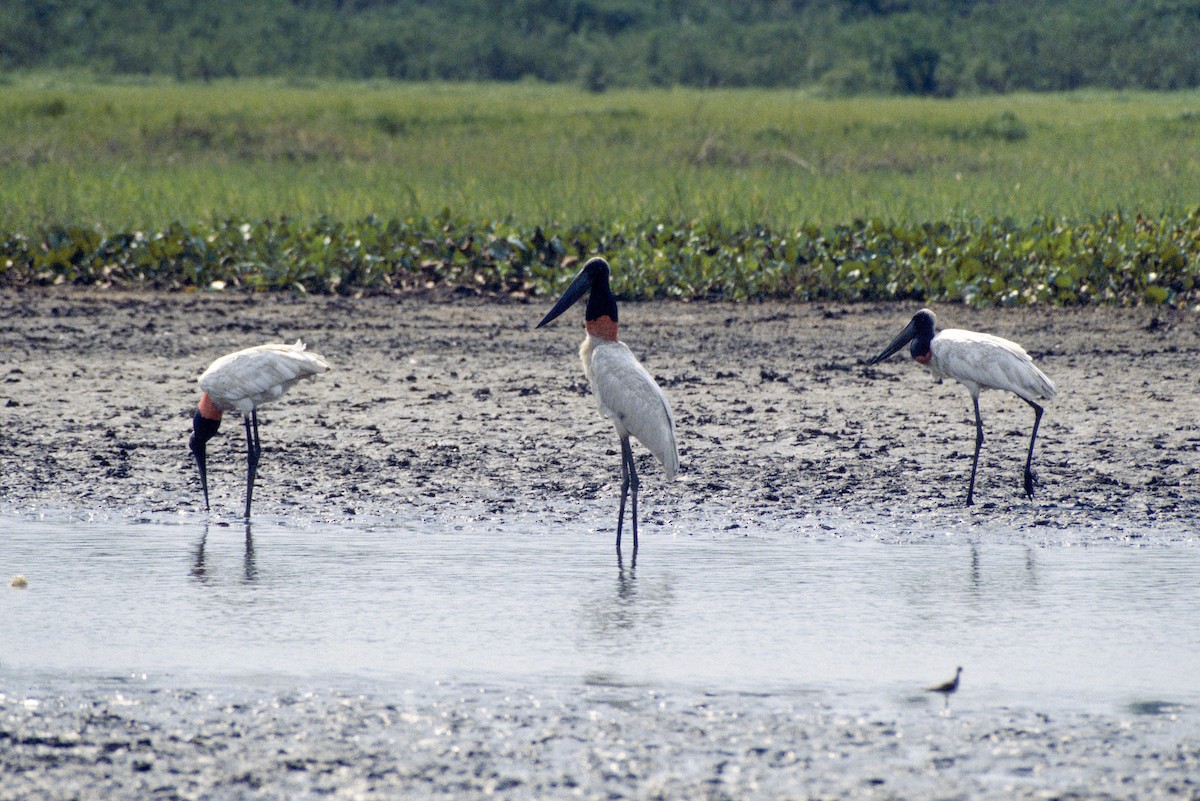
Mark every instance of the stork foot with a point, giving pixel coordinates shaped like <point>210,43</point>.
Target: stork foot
<point>1031,480</point>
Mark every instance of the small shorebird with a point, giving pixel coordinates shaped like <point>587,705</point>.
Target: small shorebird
<point>625,392</point>
<point>241,382</point>
<point>978,362</point>
<point>947,688</point>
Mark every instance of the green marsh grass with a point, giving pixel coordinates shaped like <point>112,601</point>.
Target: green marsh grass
<point>119,156</point>
<point>728,166</point>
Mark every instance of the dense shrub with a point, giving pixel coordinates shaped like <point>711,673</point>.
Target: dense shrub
<point>922,47</point>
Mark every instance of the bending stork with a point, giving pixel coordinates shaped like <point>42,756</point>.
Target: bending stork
<point>241,382</point>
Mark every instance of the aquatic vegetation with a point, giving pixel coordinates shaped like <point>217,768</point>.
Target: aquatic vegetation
<point>382,187</point>
<point>1108,259</point>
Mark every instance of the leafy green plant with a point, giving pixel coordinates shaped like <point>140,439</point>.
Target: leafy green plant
<point>1109,259</point>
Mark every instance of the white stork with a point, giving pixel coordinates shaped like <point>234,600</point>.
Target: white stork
<point>625,392</point>
<point>978,362</point>
<point>241,382</point>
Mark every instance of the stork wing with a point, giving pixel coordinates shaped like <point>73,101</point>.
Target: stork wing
<point>991,362</point>
<point>261,373</point>
<point>629,397</point>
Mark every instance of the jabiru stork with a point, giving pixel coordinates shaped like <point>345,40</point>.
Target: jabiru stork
<point>625,392</point>
<point>241,382</point>
<point>978,362</point>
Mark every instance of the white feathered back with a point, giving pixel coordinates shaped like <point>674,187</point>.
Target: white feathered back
<point>244,380</point>
<point>983,361</point>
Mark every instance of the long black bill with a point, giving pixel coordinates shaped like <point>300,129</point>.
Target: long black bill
<point>203,430</point>
<point>578,288</point>
<point>198,452</point>
<point>907,335</point>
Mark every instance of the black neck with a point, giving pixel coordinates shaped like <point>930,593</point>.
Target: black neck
<point>924,335</point>
<point>601,302</point>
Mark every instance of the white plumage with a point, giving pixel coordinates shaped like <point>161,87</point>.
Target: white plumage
<point>246,379</point>
<point>978,362</point>
<point>241,382</point>
<point>625,392</point>
<point>628,395</point>
<point>982,361</point>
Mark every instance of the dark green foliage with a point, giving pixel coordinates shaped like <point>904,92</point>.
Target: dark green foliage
<point>916,71</point>
<point>1111,259</point>
<point>919,47</point>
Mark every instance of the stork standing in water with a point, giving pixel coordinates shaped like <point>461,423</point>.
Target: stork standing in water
<point>978,362</point>
<point>625,392</point>
<point>241,382</point>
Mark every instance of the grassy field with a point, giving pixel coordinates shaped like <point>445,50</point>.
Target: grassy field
<point>127,156</point>
<point>116,158</point>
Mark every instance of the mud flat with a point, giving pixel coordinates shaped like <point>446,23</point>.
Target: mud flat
<point>458,407</point>
<point>592,742</point>
<point>456,412</point>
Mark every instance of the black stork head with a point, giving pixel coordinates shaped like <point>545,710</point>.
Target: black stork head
<point>593,280</point>
<point>203,429</point>
<point>919,331</point>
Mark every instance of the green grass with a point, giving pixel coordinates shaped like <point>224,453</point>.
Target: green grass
<point>747,193</point>
<point>119,156</point>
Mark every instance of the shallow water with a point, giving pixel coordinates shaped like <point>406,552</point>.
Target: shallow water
<point>1103,626</point>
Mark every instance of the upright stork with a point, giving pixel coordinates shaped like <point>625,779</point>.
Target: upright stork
<point>241,382</point>
<point>978,362</point>
<point>625,392</point>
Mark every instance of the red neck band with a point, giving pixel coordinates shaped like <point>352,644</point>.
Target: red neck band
<point>208,409</point>
<point>602,327</point>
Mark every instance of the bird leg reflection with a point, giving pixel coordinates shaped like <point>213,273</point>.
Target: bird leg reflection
<point>621,567</point>
<point>249,568</point>
<point>200,570</point>
<point>199,566</point>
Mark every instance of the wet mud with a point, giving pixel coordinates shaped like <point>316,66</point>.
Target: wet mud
<point>445,409</point>
<point>458,407</point>
<point>595,742</point>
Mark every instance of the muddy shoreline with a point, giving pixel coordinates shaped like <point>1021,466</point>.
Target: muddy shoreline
<point>459,407</point>
<point>590,742</point>
<point>441,410</point>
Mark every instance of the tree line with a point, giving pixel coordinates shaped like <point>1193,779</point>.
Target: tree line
<point>919,47</point>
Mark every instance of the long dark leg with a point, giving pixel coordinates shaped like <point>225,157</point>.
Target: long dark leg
<point>625,454</point>
<point>978,444</point>
<point>257,446</point>
<point>633,486</point>
<point>1037,419</point>
<point>253,450</point>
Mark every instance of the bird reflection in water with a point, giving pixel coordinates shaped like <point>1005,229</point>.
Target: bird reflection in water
<point>622,614</point>
<point>985,582</point>
<point>626,584</point>
<point>200,569</point>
